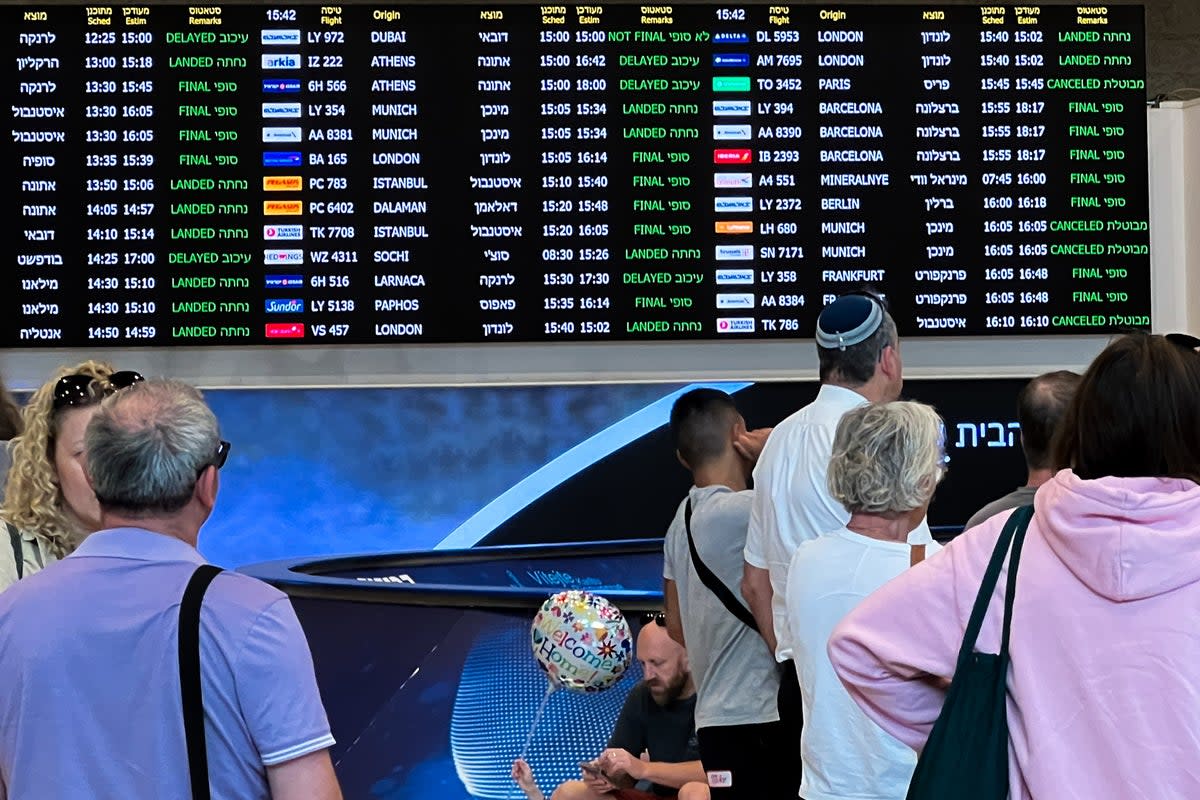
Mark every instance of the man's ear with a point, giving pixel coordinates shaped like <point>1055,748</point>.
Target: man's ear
<point>889,362</point>
<point>206,487</point>
<point>681,460</point>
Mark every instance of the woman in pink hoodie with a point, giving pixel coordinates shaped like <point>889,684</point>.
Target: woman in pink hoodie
<point>1104,683</point>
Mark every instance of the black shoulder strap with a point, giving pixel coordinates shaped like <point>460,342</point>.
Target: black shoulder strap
<point>1012,536</point>
<point>189,678</point>
<point>710,580</point>
<point>14,536</point>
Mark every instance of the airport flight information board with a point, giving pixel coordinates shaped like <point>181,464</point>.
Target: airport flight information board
<point>232,174</point>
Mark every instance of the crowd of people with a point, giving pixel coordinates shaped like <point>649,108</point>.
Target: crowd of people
<point>811,628</point>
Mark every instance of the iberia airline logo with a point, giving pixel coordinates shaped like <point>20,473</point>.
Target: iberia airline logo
<point>282,183</point>
<point>283,207</point>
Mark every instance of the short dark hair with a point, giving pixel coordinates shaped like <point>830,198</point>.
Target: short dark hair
<point>1136,413</point>
<point>855,365</point>
<point>1040,408</point>
<point>700,422</point>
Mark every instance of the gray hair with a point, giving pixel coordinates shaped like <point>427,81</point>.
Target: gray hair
<point>886,458</point>
<point>147,445</point>
<point>855,365</point>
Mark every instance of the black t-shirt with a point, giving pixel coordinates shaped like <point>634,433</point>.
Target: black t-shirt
<point>668,733</point>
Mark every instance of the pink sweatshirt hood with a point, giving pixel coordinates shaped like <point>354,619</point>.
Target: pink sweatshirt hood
<point>1123,538</point>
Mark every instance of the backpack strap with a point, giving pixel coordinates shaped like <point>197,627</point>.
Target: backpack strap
<point>190,689</point>
<point>14,536</point>
<point>714,583</point>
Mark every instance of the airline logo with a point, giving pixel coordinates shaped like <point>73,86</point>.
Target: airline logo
<point>731,83</point>
<point>739,204</point>
<point>731,60</point>
<point>731,131</point>
<point>280,110</point>
<point>283,232</point>
<point>740,226</point>
<point>282,183</point>
<point>731,108</point>
<point>724,300</point>
<point>281,61</point>
<point>732,180</point>
<point>281,37</point>
<point>292,306</point>
<point>283,134</point>
<point>283,256</point>
<point>728,156</point>
<point>281,85</point>
<point>283,208</point>
<point>284,281</point>
<point>730,38</point>
<point>726,276</point>
<point>735,252</point>
<point>285,330</point>
<point>282,158</point>
<point>735,324</point>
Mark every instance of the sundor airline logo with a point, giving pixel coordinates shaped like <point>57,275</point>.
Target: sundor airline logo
<point>284,281</point>
<point>731,131</point>
<point>731,108</point>
<point>281,61</point>
<point>726,276</point>
<point>285,330</point>
<point>733,156</point>
<point>739,204</point>
<point>733,180</point>
<point>291,306</point>
<point>735,324</point>
<point>284,208</point>
<point>281,37</point>
<point>735,252</point>
<point>283,134</point>
<point>283,256</point>
<point>283,232</point>
<point>280,110</point>
<point>726,300</point>
<point>282,183</point>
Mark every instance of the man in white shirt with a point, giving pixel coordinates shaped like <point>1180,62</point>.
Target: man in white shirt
<point>859,356</point>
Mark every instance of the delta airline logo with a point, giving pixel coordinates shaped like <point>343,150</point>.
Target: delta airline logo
<point>281,61</point>
<point>273,110</point>
<point>733,180</point>
<point>281,85</point>
<point>271,232</point>
<point>735,325</point>
<point>736,226</point>
<point>733,156</point>
<point>727,300</point>
<point>283,134</point>
<point>731,108</point>
<point>281,37</point>
<point>737,204</point>
<point>283,208</point>
<point>730,38</point>
<point>731,131</point>
<point>282,183</point>
<point>283,158</point>
<point>285,330</point>
<point>735,252</point>
<point>291,306</point>
<point>284,281</point>
<point>727,276</point>
<point>731,60</point>
<point>283,256</point>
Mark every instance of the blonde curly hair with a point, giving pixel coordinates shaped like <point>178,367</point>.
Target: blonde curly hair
<point>33,500</point>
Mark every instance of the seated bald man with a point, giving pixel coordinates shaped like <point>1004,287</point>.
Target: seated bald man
<point>657,719</point>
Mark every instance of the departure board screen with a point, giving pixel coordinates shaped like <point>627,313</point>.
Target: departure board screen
<point>360,174</point>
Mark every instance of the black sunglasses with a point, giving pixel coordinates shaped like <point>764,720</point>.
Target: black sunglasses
<point>651,616</point>
<point>82,390</point>
<point>218,459</point>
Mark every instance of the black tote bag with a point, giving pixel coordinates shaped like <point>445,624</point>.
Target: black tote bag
<point>966,756</point>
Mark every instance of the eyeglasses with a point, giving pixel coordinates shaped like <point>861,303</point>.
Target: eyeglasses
<point>218,459</point>
<point>82,390</point>
<point>651,616</point>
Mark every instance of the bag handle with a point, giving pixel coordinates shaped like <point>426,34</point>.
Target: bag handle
<point>1014,535</point>
<point>14,538</point>
<point>191,692</point>
<point>714,584</point>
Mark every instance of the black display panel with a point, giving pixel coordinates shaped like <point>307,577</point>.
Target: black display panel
<point>379,174</point>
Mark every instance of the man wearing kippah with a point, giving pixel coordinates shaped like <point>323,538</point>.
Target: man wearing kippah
<point>859,356</point>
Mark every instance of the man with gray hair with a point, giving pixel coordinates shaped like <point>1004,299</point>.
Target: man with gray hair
<point>124,677</point>
<point>886,462</point>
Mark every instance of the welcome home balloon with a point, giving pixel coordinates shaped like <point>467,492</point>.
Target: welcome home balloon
<point>582,641</point>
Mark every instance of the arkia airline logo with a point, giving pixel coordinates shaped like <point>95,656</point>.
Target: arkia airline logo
<point>281,37</point>
<point>285,330</point>
<point>281,61</point>
<point>733,156</point>
<point>283,232</point>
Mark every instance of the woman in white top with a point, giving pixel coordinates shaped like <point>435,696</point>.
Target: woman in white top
<point>887,461</point>
<point>49,507</point>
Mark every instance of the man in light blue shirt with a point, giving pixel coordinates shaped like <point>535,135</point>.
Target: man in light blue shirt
<point>89,650</point>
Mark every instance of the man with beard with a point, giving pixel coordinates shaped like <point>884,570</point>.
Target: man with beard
<point>657,720</point>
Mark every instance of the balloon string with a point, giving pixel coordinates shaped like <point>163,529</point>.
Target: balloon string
<point>537,718</point>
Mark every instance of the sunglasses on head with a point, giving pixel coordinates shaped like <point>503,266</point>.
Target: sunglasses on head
<point>218,459</point>
<point>651,616</point>
<point>1183,340</point>
<point>82,390</point>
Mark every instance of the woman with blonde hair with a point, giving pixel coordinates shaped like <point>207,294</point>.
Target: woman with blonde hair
<point>49,506</point>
